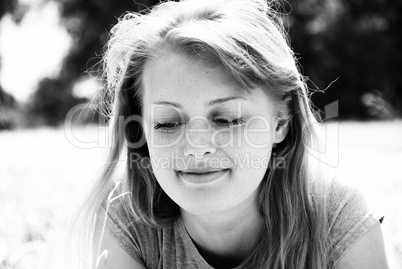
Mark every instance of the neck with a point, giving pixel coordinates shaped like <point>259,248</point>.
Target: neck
<point>228,237</point>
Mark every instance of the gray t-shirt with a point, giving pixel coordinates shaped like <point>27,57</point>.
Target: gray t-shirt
<point>349,218</point>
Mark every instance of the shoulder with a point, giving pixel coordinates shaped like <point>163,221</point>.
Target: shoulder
<point>111,254</point>
<point>137,239</point>
<point>350,217</point>
<point>367,252</point>
<point>152,247</point>
<point>347,204</point>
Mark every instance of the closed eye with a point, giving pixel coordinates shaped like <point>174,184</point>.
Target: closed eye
<point>222,122</point>
<point>168,127</point>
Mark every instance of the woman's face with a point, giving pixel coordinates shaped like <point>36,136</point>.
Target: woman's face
<point>209,141</point>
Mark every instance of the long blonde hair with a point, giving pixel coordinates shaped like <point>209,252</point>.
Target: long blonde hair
<point>245,38</point>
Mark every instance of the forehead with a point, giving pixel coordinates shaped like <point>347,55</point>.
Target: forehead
<point>175,76</point>
<point>193,84</point>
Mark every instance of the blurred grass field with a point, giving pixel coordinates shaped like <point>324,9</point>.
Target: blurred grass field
<point>42,176</point>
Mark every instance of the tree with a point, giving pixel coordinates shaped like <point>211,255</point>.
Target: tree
<point>53,100</point>
<point>356,42</point>
<point>7,6</point>
<point>7,108</point>
<point>353,42</point>
<point>88,22</point>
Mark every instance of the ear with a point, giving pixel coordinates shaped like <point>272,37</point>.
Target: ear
<point>281,130</point>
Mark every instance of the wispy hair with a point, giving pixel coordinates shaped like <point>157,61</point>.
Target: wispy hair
<point>246,39</point>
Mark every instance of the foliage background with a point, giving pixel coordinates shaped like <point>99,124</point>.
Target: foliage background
<point>352,45</point>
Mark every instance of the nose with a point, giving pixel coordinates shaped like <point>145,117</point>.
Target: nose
<point>197,151</point>
<point>198,141</point>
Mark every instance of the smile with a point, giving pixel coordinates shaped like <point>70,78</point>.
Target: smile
<point>202,178</point>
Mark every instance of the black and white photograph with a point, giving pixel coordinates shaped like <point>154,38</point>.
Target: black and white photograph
<point>200,134</point>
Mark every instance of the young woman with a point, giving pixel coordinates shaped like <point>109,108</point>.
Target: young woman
<point>212,114</point>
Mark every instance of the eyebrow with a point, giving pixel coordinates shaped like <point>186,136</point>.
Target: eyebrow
<point>213,102</point>
<point>166,103</point>
<point>222,100</point>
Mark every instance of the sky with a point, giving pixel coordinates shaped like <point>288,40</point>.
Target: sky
<point>33,49</point>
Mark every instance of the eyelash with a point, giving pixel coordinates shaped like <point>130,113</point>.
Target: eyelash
<point>227,123</point>
<point>169,127</point>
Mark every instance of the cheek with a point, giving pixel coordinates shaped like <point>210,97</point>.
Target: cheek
<point>163,140</point>
<point>240,137</point>
<point>257,140</point>
<point>161,160</point>
<point>252,154</point>
<point>164,163</point>
<point>227,138</point>
<point>259,134</point>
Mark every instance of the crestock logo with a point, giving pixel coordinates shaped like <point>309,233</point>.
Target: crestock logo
<point>199,132</point>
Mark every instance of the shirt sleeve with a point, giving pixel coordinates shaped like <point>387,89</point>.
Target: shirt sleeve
<point>121,226</point>
<point>350,218</point>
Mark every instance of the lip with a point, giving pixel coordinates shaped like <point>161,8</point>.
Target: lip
<point>202,177</point>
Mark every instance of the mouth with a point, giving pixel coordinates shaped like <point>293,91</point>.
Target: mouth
<point>202,177</point>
